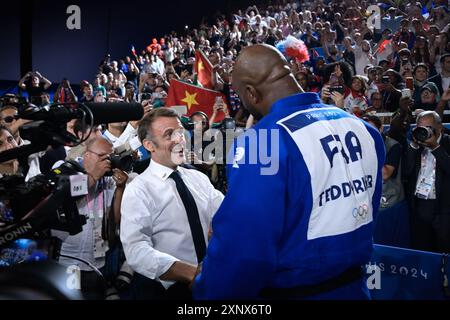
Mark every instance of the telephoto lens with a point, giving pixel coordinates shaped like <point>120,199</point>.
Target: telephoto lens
<point>422,134</point>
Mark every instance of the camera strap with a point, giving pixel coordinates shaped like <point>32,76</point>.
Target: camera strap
<point>97,208</point>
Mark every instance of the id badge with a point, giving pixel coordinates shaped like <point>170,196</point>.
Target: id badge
<point>424,186</point>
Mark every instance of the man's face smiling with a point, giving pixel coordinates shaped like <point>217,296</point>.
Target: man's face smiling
<point>168,143</point>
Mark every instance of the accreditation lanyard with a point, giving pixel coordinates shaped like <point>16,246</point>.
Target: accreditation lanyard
<point>425,188</point>
<point>96,208</point>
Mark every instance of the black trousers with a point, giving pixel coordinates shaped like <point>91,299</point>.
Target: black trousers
<point>430,229</point>
<point>143,288</point>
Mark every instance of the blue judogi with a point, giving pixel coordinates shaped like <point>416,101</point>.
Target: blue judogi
<point>307,223</point>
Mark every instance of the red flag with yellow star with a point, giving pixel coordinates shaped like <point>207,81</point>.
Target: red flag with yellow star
<point>195,99</point>
<point>203,69</point>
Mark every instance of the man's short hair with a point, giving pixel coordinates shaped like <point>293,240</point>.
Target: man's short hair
<point>434,114</point>
<point>374,119</point>
<point>7,107</point>
<point>145,125</point>
<point>93,141</point>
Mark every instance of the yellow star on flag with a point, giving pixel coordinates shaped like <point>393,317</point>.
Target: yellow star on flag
<point>190,99</point>
<point>200,66</point>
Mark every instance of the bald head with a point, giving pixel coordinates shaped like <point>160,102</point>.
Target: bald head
<point>261,76</point>
<point>260,63</point>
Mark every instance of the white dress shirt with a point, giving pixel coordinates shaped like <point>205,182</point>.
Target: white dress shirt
<point>154,229</point>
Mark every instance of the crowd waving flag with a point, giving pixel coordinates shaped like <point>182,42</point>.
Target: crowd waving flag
<point>194,98</point>
<point>203,69</point>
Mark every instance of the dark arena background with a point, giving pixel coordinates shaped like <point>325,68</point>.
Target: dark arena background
<point>34,34</point>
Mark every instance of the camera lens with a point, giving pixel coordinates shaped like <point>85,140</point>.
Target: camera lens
<point>122,162</point>
<point>422,133</point>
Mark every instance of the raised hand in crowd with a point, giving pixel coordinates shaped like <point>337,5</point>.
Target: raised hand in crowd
<point>146,104</point>
<point>338,99</point>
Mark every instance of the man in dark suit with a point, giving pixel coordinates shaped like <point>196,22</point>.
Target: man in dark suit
<point>428,170</point>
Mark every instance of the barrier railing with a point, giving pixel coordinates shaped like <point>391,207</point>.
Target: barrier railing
<point>405,274</point>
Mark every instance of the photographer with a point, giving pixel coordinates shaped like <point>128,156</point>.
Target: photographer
<point>104,194</point>
<point>37,85</point>
<point>427,165</point>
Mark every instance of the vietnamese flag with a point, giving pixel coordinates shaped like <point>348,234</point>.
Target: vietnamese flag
<point>194,98</point>
<point>204,70</point>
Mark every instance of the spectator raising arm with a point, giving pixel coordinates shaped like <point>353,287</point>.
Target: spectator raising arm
<point>42,79</point>
<point>24,78</point>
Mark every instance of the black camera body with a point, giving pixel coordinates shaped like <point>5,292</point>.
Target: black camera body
<point>123,161</point>
<point>339,89</point>
<point>422,134</point>
<point>146,96</point>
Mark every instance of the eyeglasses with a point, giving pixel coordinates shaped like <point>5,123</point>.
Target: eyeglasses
<point>98,154</point>
<point>9,119</point>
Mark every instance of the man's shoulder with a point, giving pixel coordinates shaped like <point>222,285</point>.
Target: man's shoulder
<point>445,141</point>
<point>193,173</point>
<point>139,182</point>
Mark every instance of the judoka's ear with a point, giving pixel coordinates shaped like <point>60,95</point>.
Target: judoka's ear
<point>253,96</point>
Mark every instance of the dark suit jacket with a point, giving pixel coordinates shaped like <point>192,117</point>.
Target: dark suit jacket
<point>437,79</point>
<point>412,168</point>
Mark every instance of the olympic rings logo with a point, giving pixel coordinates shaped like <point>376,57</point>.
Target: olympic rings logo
<point>361,212</point>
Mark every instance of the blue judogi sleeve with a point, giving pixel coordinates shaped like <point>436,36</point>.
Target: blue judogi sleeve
<point>381,155</point>
<point>242,253</point>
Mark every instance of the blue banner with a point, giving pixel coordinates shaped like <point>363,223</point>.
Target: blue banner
<point>409,274</point>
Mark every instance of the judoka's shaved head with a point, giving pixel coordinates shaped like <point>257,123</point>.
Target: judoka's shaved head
<point>262,76</point>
